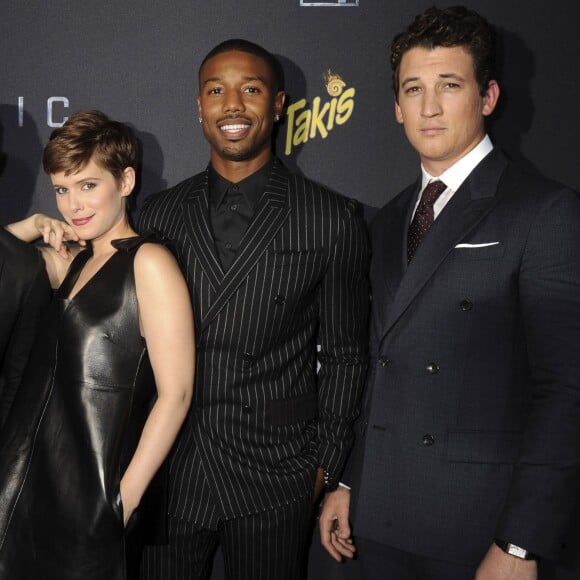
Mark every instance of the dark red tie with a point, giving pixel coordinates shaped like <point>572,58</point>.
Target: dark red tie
<point>424,217</point>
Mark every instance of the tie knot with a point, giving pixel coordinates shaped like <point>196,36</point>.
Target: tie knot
<point>433,190</point>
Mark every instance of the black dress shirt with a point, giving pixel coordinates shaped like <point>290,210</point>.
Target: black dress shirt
<point>231,208</point>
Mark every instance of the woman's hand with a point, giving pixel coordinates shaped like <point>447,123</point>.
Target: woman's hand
<point>128,501</point>
<point>55,232</point>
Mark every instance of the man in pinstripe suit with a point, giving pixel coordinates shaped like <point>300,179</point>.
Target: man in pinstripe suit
<point>276,265</point>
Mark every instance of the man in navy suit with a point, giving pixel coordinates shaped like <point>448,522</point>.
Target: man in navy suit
<point>466,463</point>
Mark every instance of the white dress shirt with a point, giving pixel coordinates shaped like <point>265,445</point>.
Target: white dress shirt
<point>455,175</point>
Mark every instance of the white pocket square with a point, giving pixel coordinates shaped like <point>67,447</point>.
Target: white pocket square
<point>484,245</point>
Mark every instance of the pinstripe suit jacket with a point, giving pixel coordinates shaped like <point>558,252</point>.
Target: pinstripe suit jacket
<point>262,419</point>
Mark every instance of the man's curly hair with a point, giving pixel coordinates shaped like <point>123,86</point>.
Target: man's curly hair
<point>449,27</point>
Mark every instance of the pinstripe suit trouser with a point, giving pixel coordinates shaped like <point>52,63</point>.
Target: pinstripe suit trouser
<point>270,545</point>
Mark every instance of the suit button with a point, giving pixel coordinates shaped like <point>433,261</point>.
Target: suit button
<point>279,299</point>
<point>384,361</point>
<point>248,360</point>
<point>432,368</point>
<point>247,408</point>
<point>428,440</point>
<point>465,305</point>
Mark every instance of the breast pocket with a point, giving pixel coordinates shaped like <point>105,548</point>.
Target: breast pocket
<point>479,251</point>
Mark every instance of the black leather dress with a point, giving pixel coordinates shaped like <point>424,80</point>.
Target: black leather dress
<point>73,429</point>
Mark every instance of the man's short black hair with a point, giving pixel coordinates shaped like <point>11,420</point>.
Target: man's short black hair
<point>241,45</point>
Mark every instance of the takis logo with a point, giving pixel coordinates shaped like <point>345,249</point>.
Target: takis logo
<point>305,124</point>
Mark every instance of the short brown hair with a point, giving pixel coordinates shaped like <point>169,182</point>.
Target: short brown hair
<point>91,135</point>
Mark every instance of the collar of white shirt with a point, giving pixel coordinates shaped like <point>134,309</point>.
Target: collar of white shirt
<point>456,174</point>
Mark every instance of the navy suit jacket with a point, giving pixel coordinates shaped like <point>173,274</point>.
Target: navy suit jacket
<point>470,427</point>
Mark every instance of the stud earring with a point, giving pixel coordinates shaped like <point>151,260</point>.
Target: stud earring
<point>276,117</point>
<point>200,119</point>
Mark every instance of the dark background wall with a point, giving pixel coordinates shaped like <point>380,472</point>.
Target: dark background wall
<point>137,61</point>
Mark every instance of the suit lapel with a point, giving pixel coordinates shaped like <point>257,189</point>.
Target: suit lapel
<point>271,213</point>
<point>392,239</point>
<point>468,206</point>
<point>196,212</point>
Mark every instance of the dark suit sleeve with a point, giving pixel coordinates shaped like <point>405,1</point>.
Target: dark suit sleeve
<point>34,300</point>
<point>353,466</point>
<point>344,302</point>
<point>545,484</point>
